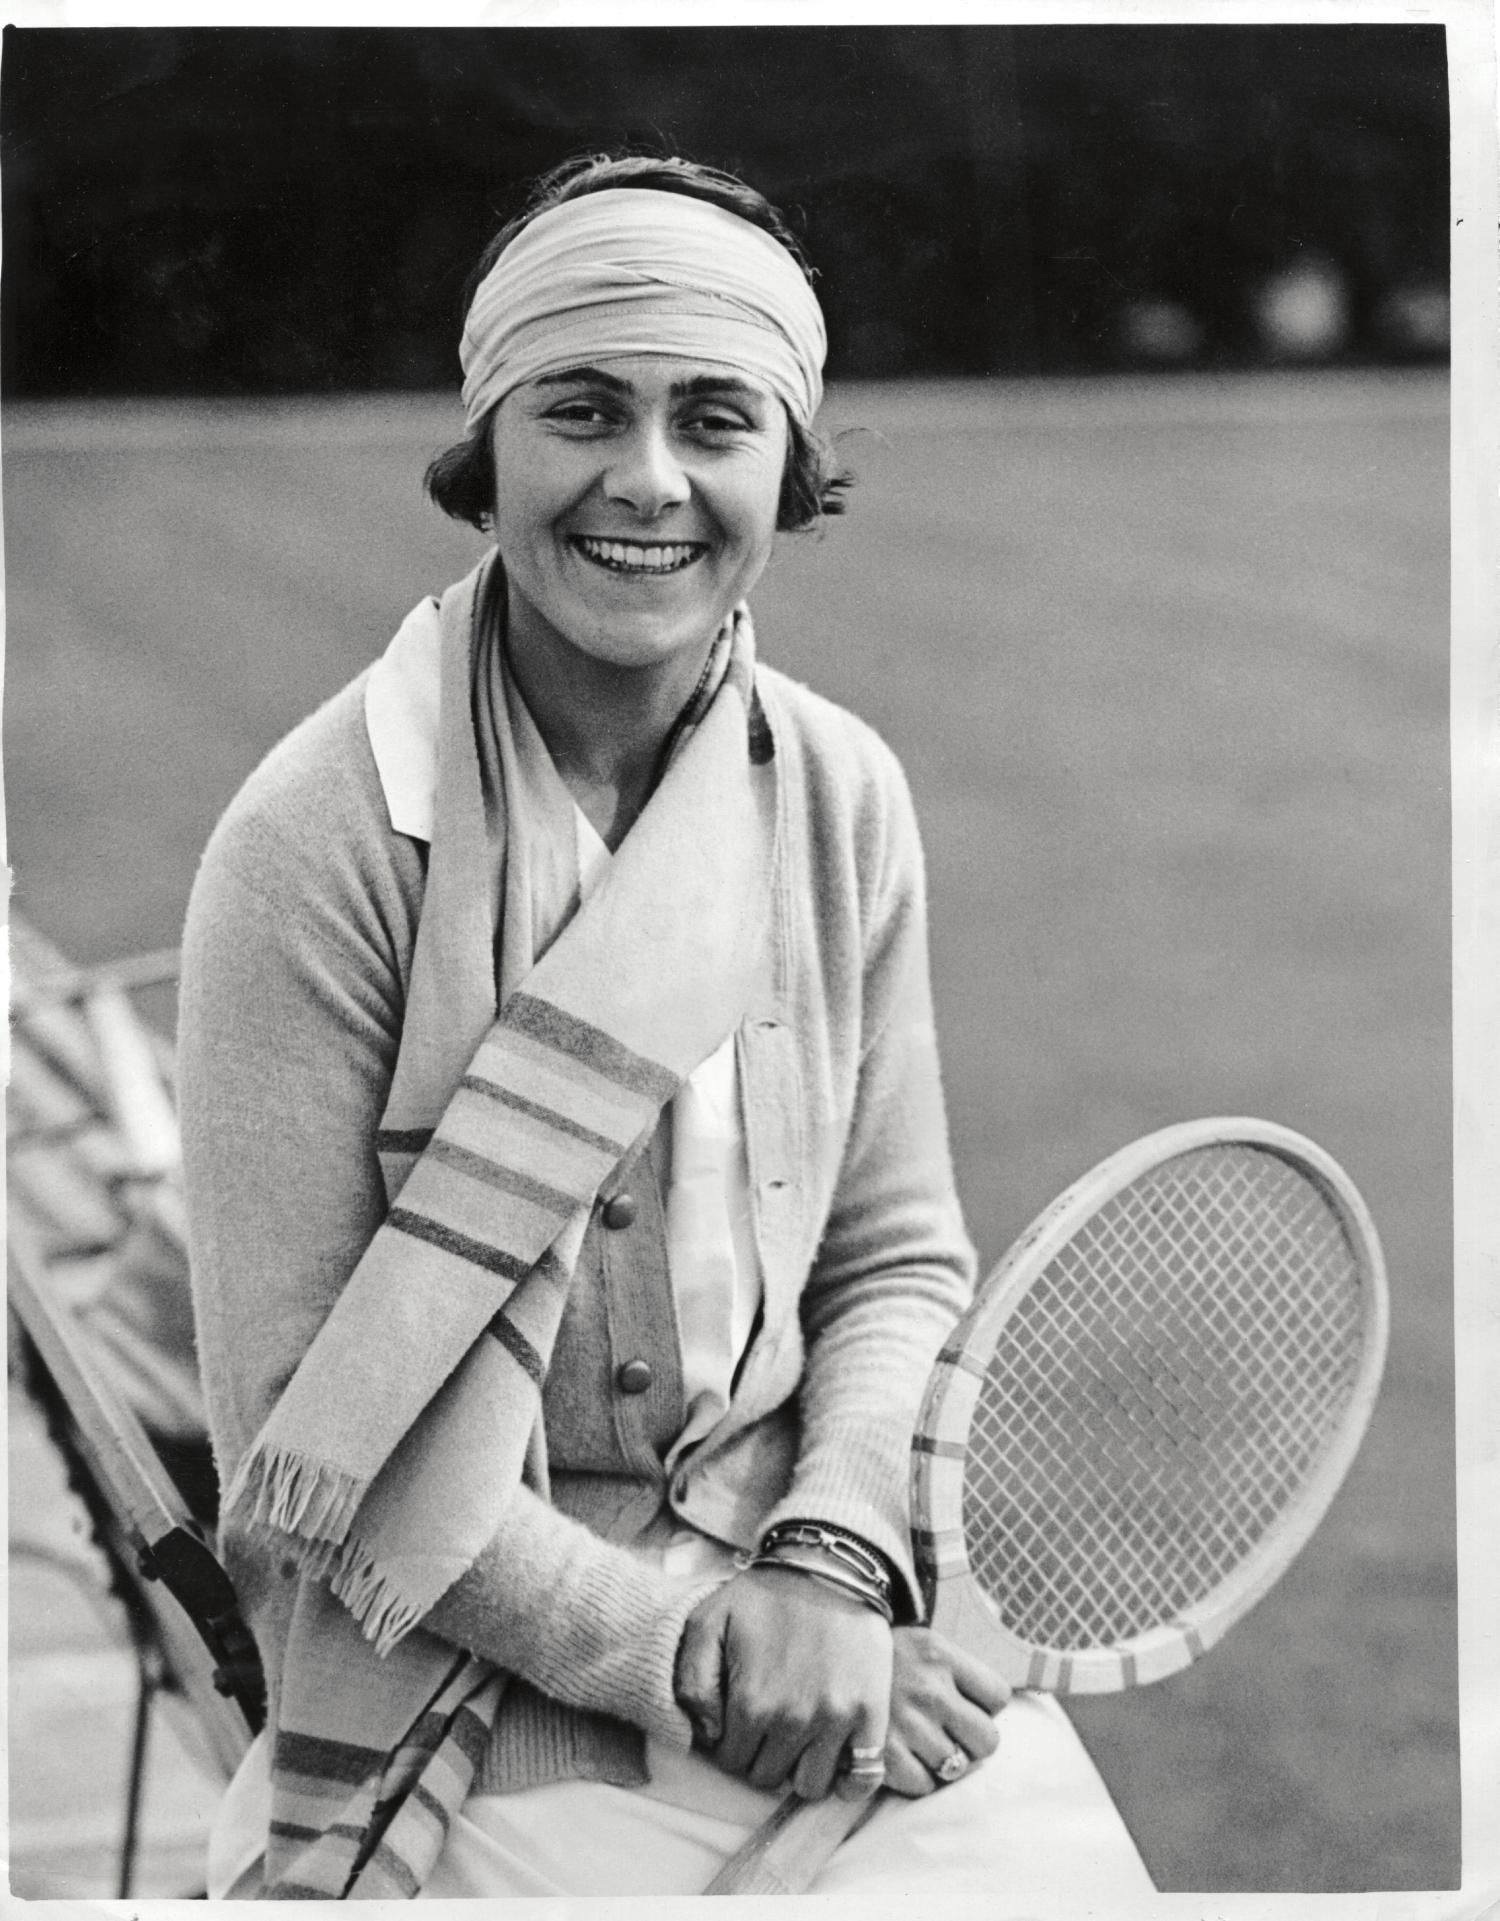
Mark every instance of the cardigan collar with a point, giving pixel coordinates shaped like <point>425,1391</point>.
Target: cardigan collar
<point>402,698</point>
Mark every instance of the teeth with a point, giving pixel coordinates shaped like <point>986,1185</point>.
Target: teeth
<point>634,557</point>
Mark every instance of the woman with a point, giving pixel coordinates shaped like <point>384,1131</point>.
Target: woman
<point>571,1205</point>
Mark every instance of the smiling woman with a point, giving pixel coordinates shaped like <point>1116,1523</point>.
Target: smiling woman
<point>635,508</point>
<point>571,1210</point>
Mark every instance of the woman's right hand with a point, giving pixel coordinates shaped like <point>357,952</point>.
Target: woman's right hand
<point>781,1676</point>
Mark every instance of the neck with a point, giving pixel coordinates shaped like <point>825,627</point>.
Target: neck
<point>604,725</point>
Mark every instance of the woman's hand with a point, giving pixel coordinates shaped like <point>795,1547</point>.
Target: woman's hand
<point>943,1703</point>
<point>780,1674</point>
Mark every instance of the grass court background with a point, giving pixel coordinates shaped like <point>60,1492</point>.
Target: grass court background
<point>1166,661</point>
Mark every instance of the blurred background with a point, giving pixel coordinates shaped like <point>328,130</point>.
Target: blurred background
<point>1138,352</point>
<point>300,208</point>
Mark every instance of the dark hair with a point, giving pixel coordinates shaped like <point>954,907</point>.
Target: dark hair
<point>462,479</point>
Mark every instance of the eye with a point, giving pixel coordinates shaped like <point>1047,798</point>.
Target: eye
<point>584,412</point>
<point>718,421</point>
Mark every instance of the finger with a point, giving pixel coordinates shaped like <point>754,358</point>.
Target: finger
<point>904,1773</point>
<point>979,1682</point>
<point>741,1739</point>
<point>951,1760</point>
<point>818,1766</point>
<point>699,1681</point>
<point>971,1729</point>
<point>922,1721</point>
<point>867,1736</point>
<point>933,1739</point>
<point>777,1756</point>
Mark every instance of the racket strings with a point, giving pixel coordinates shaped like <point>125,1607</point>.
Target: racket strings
<point>1157,1397</point>
<point>1181,1400</point>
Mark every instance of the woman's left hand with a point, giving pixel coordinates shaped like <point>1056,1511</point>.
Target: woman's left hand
<point>782,1676</point>
<point>943,1704</point>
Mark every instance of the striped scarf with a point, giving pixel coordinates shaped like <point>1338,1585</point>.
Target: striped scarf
<point>386,1465</point>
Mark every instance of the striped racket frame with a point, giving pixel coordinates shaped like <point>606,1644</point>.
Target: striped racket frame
<point>1105,1659</point>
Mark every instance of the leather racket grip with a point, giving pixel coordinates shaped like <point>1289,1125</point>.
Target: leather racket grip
<point>787,1851</point>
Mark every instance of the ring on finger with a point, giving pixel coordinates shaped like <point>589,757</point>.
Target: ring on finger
<point>953,1766</point>
<point>866,1764</point>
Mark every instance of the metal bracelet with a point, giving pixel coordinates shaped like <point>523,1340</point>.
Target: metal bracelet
<point>848,1549</point>
<point>831,1576</point>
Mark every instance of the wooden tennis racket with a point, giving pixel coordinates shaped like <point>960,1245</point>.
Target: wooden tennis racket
<point>1134,1429</point>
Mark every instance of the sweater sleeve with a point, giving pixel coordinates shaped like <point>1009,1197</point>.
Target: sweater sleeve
<point>895,1267</point>
<point>589,1623</point>
<point>289,1018</point>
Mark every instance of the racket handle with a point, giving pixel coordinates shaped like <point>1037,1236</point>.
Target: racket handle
<point>787,1851</point>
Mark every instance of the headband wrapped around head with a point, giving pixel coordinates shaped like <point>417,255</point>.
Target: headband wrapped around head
<point>634,270</point>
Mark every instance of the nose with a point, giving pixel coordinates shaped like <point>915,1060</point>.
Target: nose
<point>646,474</point>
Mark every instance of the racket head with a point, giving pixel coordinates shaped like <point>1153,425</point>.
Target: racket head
<point>1149,1406</point>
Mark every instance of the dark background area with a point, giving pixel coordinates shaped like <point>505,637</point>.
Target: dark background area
<point>298,209</point>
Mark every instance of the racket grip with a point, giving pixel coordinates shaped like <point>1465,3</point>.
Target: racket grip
<point>788,1850</point>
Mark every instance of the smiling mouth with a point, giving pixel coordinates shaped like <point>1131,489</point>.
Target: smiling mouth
<point>637,557</point>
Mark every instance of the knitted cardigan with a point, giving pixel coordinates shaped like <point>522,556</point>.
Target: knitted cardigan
<point>298,945</point>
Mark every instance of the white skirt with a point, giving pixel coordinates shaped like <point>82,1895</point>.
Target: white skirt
<point>1031,1825</point>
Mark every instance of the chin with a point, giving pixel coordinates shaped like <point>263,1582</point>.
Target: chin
<point>632,642</point>
<point>621,650</point>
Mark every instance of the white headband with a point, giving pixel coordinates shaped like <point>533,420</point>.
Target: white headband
<point>631,270</point>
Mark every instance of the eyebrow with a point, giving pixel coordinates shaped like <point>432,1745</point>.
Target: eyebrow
<point>699,385</point>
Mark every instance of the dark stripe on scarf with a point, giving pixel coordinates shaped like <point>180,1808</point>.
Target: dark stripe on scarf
<point>507,1179</point>
<point>471,1734</point>
<point>762,741</point>
<point>541,1021</point>
<point>294,1831</point>
<point>401,1140</point>
<point>518,1347</point>
<point>313,1754</point>
<point>494,1260</point>
<point>535,1111</point>
<point>425,1798</point>
<point>397,1869</point>
<point>463,1727</point>
<point>423,1795</point>
<point>694,708</point>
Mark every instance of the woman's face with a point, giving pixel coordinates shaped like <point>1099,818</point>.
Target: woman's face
<point>635,504</point>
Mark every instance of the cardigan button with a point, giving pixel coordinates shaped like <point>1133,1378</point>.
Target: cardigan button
<point>619,1210</point>
<point>634,1377</point>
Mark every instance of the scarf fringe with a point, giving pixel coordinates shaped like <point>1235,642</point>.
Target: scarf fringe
<point>295,1495</point>
<point>385,1615</point>
<point>308,1507</point>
